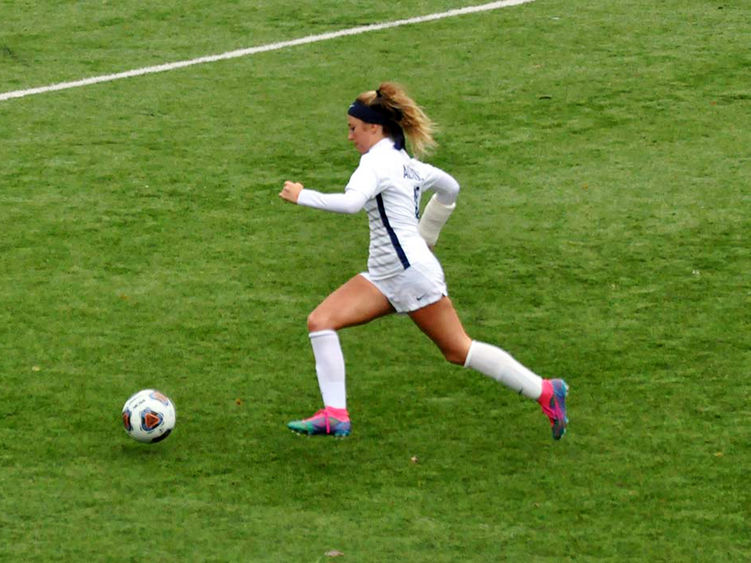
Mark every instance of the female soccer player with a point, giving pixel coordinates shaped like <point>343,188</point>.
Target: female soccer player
<point>403,274</point>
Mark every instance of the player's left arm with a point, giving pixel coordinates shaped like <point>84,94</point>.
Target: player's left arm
<point>441,205</point>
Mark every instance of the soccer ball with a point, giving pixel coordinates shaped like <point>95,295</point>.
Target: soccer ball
<point>149,416</point>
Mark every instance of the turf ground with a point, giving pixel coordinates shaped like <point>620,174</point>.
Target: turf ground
<point>602,234</point>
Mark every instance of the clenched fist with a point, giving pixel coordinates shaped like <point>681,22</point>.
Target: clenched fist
<point>291,191</point>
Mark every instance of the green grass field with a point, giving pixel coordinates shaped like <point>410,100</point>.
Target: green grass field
<point>602,234</point>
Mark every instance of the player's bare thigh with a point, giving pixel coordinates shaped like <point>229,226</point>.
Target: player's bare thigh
<point>442,325</point>
<point>355,302</point>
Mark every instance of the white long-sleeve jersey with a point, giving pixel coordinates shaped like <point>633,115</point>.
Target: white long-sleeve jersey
<point>388,183</point>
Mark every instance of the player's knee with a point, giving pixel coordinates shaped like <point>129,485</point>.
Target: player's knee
<point>318,321</point>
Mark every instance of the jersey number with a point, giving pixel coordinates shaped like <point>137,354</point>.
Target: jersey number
<point>412,174</point>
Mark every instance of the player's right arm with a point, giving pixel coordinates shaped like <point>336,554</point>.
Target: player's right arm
<point>350,201</point>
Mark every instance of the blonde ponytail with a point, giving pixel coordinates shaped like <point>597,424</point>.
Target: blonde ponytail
<point>392,99</point>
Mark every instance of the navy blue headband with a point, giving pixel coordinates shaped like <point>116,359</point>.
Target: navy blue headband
<point>368,114</point>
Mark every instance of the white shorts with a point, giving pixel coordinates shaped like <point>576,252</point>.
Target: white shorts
<point>414,288</point>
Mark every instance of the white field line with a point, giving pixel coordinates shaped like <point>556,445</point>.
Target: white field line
<point>260,49</point>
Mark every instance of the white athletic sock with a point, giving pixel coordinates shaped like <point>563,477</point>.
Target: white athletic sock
<point>329,368</point>
<point>501,366</point>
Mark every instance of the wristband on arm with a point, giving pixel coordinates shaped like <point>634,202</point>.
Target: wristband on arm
<point>434,217</point>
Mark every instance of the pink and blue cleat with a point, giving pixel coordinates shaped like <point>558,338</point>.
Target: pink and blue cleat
<point>329,421</point>
<point>553,403</point>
